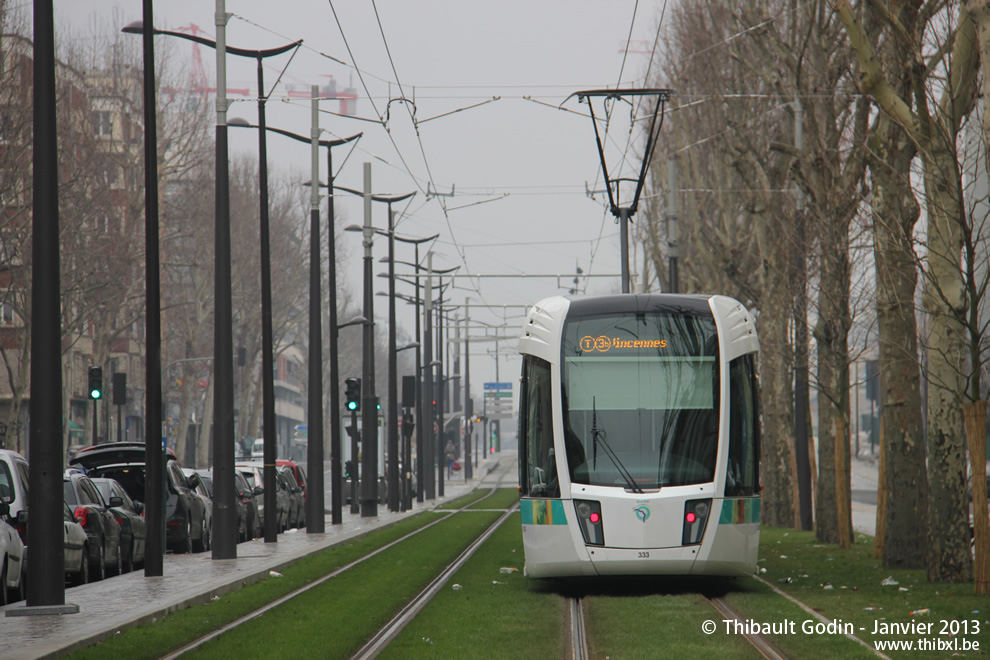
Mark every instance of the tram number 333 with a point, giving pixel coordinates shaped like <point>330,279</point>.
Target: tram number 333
<point>643,555</point>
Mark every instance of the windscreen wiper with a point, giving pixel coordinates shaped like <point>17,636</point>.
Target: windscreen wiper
<point>597,435</point>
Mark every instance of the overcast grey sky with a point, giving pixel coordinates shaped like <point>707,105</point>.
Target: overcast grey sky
<point>518,168</point>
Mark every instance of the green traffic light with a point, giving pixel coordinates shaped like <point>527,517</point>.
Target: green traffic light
<point>352,405</point>
<point>95,394</point>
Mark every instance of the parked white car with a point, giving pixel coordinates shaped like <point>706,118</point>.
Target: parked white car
<point>12,556</point>
<point>14,486</point>
<point>76,548</point>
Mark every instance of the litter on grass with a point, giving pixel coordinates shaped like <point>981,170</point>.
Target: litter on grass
<point>889,581</point>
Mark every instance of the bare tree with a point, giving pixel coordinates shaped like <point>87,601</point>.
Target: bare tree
<point>949,73</point>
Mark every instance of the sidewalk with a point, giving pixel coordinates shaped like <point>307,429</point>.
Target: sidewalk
<point>128,600</point>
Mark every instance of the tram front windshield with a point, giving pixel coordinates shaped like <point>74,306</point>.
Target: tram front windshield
<point>640,399</point>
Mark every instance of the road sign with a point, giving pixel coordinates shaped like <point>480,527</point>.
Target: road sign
<point>498,386</point>
<point>498,395</point>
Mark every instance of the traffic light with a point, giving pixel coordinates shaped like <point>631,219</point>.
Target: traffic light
<point>96,383</point>
<point>352,394</point>
<point>348,468</point>
<point>408,423</point>
<point>378,402</point>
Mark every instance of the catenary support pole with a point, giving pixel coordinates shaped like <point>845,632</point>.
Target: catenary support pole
<point>224,520</point>
<point>315,522</point>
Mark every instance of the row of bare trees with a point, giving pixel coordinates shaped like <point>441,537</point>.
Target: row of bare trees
<point>102,224</point>
<point>813,136</point>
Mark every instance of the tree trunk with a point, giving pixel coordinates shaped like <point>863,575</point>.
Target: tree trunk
<point>206,428</point>
<point>948,510</point>
<point>843,494</point>
<point>904,483</point>
<point>185,414</point>
<point>976,434</point>
<point>831,334</point>
<point>776,397</point>
<point>881,517</point>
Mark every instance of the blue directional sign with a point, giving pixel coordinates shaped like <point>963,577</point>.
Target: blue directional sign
<point>498,386</point>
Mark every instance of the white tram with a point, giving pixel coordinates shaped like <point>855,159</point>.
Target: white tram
<point>639,436</point>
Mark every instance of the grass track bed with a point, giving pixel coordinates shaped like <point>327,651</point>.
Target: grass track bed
<point>657,625</point>
<point>153,640</point>
<point>798,564</point>
<point>493,615</point>
<point>463,501</point>
<point>337,617</point>
<point>502,498</point>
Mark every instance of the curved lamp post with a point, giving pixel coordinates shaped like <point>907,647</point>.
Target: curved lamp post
<point>225,522</point>
<point>316,472</point>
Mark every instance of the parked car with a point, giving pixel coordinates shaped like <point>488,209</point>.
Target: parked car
<point>297,506</point>
<point>14,489</point>
<point>298,473</point>
<point>130,517</point>
<point>76,548</point>
<point>254,472</point>
<point>196,481</point>
<point>249,496</point>
<point>243,514</point>
<point>12,556</point>
<point>185,513</point>
<point>102,528</point>
<point>258,449</point>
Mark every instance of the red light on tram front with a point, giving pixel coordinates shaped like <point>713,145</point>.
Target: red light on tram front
<point>594,518</point>
<point>690,517</point>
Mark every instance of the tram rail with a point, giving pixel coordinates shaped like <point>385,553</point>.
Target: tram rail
<point>195,644</point>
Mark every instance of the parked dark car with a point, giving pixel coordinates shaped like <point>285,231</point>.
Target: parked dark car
<point>298,473</point>
<point>102,529</point>
<point>206,484</point>
<point>249,496</point>
<point>130,517</point>
<point>206,495</point>
<point>254,472</point>
<point>185,513</point>
<point>297,506</point>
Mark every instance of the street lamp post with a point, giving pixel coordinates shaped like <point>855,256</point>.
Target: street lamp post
<point>420,414</point>
<point>225,522</point>
<point>393,417</point>
<point>336,474</point>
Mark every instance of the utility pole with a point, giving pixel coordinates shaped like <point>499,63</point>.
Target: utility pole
<point>801,388</point>
<point>224,522</point>
<point>369,407</point>
<point>672,246</point>
<point>315,522</point>
<point>468,402</point>
<point>430,418</point>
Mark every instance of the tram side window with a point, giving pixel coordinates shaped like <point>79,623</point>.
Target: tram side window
<point>537,428</point>
<point>743,471</point>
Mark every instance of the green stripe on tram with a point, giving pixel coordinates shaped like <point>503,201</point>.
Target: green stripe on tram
<point>542,512</point>
<point>739,511</point>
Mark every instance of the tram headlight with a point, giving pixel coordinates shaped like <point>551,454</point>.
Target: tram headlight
<point>589,518</point>
<point>695,520</point>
